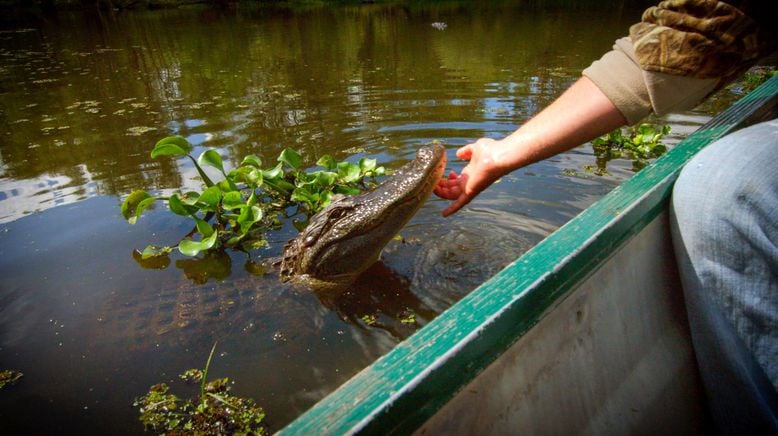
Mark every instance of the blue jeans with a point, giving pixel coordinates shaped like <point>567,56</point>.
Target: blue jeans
<point>724,220</point>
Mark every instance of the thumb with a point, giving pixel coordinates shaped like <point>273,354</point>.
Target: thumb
<point>466,152</point>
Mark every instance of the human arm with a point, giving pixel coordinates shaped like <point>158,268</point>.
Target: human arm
<point>678,55</point>
<point>581,113</point>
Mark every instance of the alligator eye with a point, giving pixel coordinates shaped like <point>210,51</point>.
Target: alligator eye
<point>336,214</point>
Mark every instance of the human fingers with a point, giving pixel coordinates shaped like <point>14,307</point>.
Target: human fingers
<point>465,152</point>
<point>459,203</point>
<point>461,199</point>
<point>448,188</point>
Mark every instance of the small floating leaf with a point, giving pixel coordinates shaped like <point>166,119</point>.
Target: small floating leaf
<point>211,197</point>
<point>346,190</point>
<point>134,205</point>
<point>154,251</point>
<point>255,269</point>
<point>203,227</point>
<point>211,158</point>
<point>366,165</point>
<point>137,130</point>
<point>171,146</point>
<point>152,257</point>
<point>252,160</point>
<point>188,247</point>
<point>248,216</point>
<point>192,376</point>
<point>190,198</point>
<point>232,200</point>
<point>325,179</point>
<point>179,207</point>
<point>272,173</point>
<point>291,158</point>
<point>348,172</point>
<point>327,162</point>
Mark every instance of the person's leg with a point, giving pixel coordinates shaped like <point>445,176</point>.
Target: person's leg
<point>724,221</point>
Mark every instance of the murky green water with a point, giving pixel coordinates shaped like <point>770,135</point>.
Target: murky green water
<point>83,98</point>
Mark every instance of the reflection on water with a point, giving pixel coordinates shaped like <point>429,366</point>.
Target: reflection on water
<point>84,97</point>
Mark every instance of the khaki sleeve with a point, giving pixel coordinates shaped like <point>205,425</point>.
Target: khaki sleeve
<point>636,92</point>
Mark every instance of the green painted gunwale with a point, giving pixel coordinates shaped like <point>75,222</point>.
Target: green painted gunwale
<point>402,389</point>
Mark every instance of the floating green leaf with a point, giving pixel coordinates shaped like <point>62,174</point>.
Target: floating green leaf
<point>188,247</point>
<point>226,185</point>
<point>161,261</point>
<point>211,197</point>
<point>325,198</point>
<point>155,251</point>
<point>639,143</point>
<point>179,207</point>
<point>252,160</point>
<point>171,146</point>
<point>325,179</point>
<point>203,227</point>
<point>211,158</point>
<point>247,174</point>
<point>367,165</point>
<point>233,200</point>
<point>134,205</point>
<point>348,172</point>
<point>190,198</point>
<point>249,216</point>
<point>273,173</point>
<point>347,190</point>
<point>291,158</point>
<point>327,162</point>
<point>303,195</point>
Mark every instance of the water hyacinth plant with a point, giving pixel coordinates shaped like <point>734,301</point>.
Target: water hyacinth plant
<point>639,143</point>
<point>214,411</point>
<point>237,210</point>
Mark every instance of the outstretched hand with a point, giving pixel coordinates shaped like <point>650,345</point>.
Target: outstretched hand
<point>581,113</point>
<point>481,171</point>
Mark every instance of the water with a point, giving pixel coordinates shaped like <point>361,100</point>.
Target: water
<point>83,98</point>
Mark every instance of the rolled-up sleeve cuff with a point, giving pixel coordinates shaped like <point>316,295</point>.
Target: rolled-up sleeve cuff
<point>636,93</point>
<point>620,78</point>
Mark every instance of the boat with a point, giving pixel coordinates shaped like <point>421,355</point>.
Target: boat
<point>584,333</point>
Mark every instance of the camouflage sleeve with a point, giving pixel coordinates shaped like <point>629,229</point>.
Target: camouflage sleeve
<point>700,38</point>
<point>636,93</point>
<point>681,52</point>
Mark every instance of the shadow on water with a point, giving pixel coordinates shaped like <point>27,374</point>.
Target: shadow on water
<point>381,299</point>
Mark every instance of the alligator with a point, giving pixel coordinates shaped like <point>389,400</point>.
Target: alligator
<point>346,238</point>
<point>341,242</point>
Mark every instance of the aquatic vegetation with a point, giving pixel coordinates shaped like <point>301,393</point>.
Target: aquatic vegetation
<point>213,411</point>
<point>249,200</point>
<point>408,317</point>
<point>139,130</point>
<point>9,377</point>
<point>754,77</point>
<point>639,143</point>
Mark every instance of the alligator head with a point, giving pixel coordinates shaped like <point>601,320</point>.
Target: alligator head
<point>345,238</point>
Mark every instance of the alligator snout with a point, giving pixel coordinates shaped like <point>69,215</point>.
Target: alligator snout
<point>345,238</point>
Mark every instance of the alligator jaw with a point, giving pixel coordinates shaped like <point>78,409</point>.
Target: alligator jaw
<point>347,237</point>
